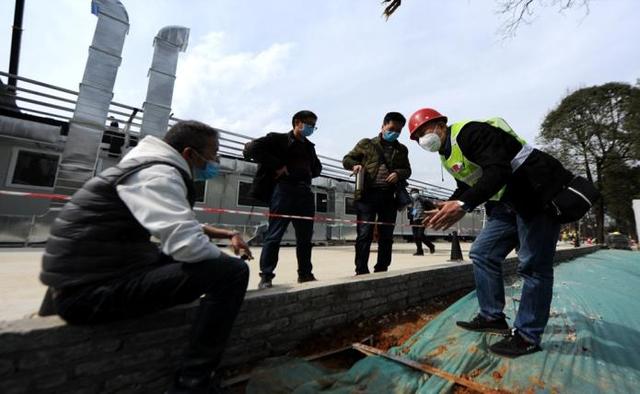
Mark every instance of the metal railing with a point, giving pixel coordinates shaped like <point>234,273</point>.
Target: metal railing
<point>46,100</point>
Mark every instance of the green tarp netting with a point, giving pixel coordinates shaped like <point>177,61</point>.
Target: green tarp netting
<point>591,344</point>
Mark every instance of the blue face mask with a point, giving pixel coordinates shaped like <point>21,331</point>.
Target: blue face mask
<point>307,130</point>
<point>210,170</point>
<point>390,136</point>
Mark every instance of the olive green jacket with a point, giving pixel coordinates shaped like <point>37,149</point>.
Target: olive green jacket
<point>365,154</point>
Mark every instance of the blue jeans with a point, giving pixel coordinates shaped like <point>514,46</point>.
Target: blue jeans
<point>537,239</point>
<point>289,200</point>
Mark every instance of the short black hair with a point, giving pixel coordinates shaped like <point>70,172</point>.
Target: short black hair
<point>394,117</point>
<point>302,116</point>
<point>190,133</point>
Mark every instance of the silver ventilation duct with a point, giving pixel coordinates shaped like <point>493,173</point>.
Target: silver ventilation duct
<point>168,43</point>
<point>96,91</point>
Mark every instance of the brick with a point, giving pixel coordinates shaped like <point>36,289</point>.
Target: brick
<point>399,295</point>
<point>7,367</point>
<point>127,380</point>
<point>361,295</point>
<point>278,324</point>
<point>37,359</point>
<point>323,301</point>
<point>330,321</point>
<point>107,345</point>
<point>371,302</point>
<point>143,339</point>
<point>346,307</point>
<point>51,380</point>
<point>309,316</point>
<point>106,364</point>
<point>14,386</point>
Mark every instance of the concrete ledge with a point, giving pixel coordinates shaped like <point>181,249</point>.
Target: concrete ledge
<point>44,355</point>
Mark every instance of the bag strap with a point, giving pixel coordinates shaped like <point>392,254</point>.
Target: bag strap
<point>401,182</point>
<point>381,154</point>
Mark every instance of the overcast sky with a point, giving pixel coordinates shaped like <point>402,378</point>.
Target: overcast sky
<point>251,64</point>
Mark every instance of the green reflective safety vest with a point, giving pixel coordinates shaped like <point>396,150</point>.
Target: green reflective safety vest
<point>466,171</point>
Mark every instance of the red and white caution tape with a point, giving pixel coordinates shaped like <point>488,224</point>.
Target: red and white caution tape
<point>317,218</point>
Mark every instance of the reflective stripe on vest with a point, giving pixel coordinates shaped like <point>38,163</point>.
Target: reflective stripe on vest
<point>468,172</point>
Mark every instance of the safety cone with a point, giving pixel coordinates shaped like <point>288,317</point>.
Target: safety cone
<point>456,251</point>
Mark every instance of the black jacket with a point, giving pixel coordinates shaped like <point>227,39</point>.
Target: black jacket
<point>271,153</point>
<point>96,237</point>
<point>529,189</point>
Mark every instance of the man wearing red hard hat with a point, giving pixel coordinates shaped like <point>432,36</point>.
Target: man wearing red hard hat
<point>518,185</point>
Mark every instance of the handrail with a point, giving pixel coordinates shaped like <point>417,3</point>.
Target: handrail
<point>232,148</point>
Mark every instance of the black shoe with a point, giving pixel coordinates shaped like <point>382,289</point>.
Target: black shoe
<point>418,254</point>
<point>481,324</point>
<point>513,346</point>
<point>265,283</point>
<point>432,249</point>
<point>306,278</point>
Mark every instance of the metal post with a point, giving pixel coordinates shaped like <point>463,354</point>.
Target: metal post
<point>16,38</point>
<point>456,251</point>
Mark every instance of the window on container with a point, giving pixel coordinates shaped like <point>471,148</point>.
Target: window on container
<point>349,206</point>
<point>244,197</point>
<point>33,169</point>
<point>321,202</point>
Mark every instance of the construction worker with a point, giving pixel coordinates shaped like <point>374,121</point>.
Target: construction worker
<point>384,162</point>
<point>493,165</point>
<point>286,164</point>
<point>101,265</point>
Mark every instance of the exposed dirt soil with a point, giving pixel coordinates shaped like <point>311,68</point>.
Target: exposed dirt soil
<point>386,331</point>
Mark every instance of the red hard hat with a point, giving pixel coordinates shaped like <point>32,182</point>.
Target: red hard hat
<point>421,117</point>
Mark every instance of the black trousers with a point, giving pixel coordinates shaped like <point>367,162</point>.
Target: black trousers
<point>223,282</point>
<point>375,205</point>
<point>419,237</point>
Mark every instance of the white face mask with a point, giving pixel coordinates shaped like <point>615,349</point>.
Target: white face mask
<point>430,142</point>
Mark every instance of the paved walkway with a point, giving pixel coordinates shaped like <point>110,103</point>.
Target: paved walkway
<point>21,292</point>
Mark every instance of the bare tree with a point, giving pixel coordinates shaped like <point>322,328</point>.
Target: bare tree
<point>516,12</point>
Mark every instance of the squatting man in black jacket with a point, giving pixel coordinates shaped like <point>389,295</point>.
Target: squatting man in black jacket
<point>492,164</point>
<point>100,264</point>
<point>286,164</point>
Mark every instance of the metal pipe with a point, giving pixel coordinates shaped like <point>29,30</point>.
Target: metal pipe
<point>16,38</point>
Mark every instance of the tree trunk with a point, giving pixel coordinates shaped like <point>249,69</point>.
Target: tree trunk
<point>599,207</point>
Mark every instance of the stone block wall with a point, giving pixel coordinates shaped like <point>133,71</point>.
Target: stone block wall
<point>45,355</point>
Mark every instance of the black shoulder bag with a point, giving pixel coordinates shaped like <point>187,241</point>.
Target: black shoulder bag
<point>402,197</point>
<point>575,200</point>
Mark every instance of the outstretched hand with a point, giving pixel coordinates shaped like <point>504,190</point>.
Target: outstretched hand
<point>447,214</point>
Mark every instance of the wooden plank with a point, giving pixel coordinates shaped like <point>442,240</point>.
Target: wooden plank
<point>372,351</point>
